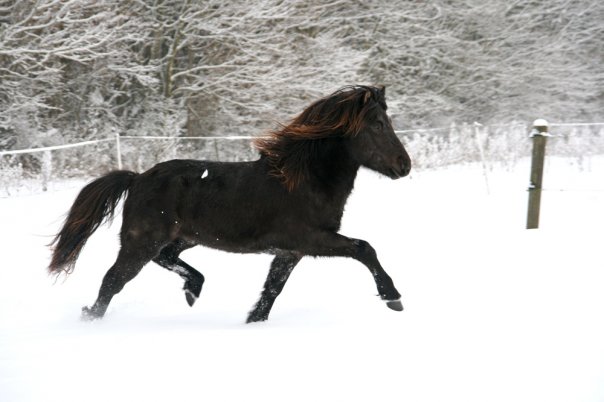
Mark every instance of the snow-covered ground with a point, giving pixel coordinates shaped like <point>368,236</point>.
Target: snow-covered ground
<point>493,312</point>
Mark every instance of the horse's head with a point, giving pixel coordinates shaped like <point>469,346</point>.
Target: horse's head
<point>354,115</point>
<point>375,145</point>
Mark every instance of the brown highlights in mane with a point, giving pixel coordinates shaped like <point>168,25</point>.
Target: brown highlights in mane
<point>342,113</point>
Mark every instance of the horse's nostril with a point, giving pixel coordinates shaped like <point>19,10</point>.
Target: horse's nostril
<point>404,164</point>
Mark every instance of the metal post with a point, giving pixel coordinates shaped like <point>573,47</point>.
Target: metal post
<point>118,150</point>
<point>539,134</point>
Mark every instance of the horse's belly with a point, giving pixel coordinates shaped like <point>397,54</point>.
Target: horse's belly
<point>235,239</point>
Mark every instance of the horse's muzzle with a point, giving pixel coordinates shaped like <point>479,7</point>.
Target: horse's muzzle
<point>401,168</point>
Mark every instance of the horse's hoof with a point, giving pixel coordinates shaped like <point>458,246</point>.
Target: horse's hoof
<point>88,314</point>
<point>191,298</point>
<point>192,291</point>
<point>395,305</point>
<point>256,318</point>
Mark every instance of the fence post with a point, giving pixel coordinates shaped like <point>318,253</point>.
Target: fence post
<point>46,169</point>
<point>478,138</point>
<point>539,134</point>
<point>118,150</point>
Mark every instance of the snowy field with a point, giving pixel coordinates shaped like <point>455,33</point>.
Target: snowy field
<point>493,312</point>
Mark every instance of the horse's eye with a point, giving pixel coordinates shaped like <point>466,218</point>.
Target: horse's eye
<point>380,125</point>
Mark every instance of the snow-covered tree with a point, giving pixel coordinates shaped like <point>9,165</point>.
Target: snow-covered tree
<point>80,69</point>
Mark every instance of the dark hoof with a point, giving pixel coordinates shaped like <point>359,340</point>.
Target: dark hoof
<point>191,298</point>
<point>89,315</point>
<point>256,318</point>
<point>395,305</point>
<point>192,291</point>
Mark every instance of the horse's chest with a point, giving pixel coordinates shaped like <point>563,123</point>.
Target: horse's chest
<point>325,212</point>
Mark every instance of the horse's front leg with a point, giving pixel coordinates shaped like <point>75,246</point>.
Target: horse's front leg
<point>335,245</point>
<point>281,267</point>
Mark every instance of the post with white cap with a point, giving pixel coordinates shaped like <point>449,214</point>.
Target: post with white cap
<point>539,134</point>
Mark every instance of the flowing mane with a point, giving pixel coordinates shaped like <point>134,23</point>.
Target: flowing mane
<point>342,113</point>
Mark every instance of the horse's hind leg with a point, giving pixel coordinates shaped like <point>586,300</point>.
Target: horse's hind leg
<point>129,263</point>
<point>281,267</point>
<point>168,258</point>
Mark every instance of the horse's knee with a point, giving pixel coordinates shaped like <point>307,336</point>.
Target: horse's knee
<point>168,254</point>
<point>364,250</point>
<point>164,260</point>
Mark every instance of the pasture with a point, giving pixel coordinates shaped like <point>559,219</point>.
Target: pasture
<point>493,312</point>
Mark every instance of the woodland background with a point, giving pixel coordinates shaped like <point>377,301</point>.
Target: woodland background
<point>73,70</point>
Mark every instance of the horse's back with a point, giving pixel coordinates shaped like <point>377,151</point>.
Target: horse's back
<point>233,206</point>
<point>220,204</point>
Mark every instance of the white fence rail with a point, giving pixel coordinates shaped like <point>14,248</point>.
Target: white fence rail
<point>429,147</point>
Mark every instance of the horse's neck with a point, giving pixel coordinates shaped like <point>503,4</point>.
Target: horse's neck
<point>325,167</point>
<point>332,170</point>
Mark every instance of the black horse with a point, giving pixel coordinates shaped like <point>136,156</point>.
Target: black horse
<point>288,203</point>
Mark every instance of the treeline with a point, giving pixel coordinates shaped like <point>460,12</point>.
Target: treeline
<point>86,69</point>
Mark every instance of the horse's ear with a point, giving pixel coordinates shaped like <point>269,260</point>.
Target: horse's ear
<point>382,91</point>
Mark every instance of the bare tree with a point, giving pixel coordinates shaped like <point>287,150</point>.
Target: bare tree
<point>75,69</point>
<point>488,60</point>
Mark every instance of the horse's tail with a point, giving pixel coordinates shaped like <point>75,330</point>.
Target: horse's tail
<point>95,204</point>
